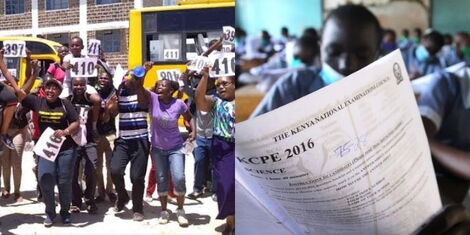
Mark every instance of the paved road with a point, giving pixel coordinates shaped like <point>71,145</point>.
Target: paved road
<point>27,217</point>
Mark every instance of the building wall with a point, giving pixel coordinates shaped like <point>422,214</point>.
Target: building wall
<point>16,21</point>
<point>68,16</point>
<point>108,12</point>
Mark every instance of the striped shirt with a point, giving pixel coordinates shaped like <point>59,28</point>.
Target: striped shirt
<point>132,119</point>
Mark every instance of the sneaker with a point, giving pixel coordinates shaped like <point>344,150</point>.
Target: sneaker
<point>164,217</point>
<point>66,220</point>
<point>92,209</point>
<point>7,141</point>
<point>194,195</point>
<point>48,222</point>
<point>148,198</point>
<point>112,197</point>
<point>138,216</point>
<point>214,197</point>
<point>119,206</point>
<point>181,218</point>
<point>74,209</point>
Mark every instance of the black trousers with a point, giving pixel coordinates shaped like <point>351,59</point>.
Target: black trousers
<point>137,152</point>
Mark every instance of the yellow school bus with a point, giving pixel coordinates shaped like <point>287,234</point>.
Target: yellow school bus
<point>172,35</point>
<point>41,49</point>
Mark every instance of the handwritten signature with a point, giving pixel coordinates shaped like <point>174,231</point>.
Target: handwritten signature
<point>351,146</point>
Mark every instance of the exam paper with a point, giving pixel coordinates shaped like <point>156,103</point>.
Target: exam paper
<point>351,158</point>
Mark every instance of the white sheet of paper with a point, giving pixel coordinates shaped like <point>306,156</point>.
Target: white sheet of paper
<point>351,158</point>
<point>223,64</point>
<point>14,48</point>
<point>229,32</point>
<point>48,146</point>
<point>170,74</point>
<point>119,73</point>
<point>84,67</point>
<point>94,46</point>
<point>198,63</point>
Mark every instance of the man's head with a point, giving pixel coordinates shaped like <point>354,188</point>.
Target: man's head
<point>104,80</point>
<point>78,86</point>
<point>351,39</point>
<point>447,39</point>
<point>62,51</point>
<point>76,46</point>
<point>389,36</point>
<point>433,42</point>
<point>405,33</point>
<point>418,33</point>
<point>285,31</point>
<point>462,42</point>
<point>307,49</point>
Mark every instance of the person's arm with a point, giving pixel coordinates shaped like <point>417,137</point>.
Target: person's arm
<point>31,78</point>
<point>73,119</point>
<point>432,104</point>
<point>215,45</point>
<point>203,101</point>
<point>28,64</point>
<point>70,130</point>
<point>143,95</point>
<point>187,117</point>
<point>455,160</point>
<point>7,74</point>
<point>110,109</point>
<point>186,78</point>
<point>96,101</point>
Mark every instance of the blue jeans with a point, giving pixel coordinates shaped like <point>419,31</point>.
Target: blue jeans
<point>173,161</point>
<point>87,152</point>
<point>61,172</point>
<point>202,155</point>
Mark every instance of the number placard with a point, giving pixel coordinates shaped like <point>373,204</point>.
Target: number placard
<point>171,54</point>
<point>48,146</point>
<point>227,48</point>
<point>169,74</point>
<point>83,67</point>
<point>94,46</point>
<point>14,48</point>
<point>223,66</point>
<point>229,32</point>
<point>199,62</point>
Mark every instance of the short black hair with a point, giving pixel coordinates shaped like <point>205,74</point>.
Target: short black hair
<point>358,15</point>
<point>436,37</point>
<point>308,41</point>
<point>405,32</point>
<point>78,38</point>
<point>310,32</point>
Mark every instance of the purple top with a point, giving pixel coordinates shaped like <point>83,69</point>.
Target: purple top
<point>164,122</point>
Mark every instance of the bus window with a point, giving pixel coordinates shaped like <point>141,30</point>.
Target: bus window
<point>197,43</point>
<point>44,65</point>
<point>164,47</point>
